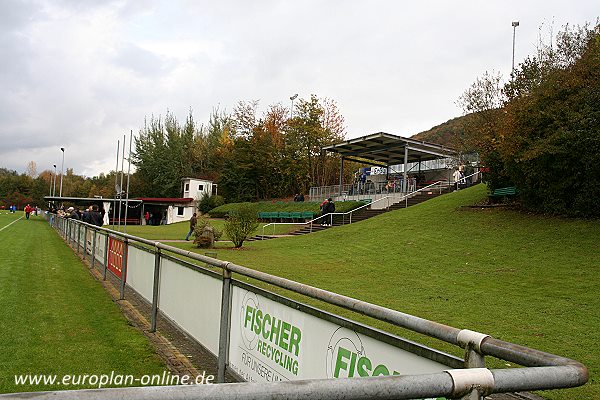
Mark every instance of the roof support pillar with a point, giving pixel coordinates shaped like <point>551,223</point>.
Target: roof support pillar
<point>341,174</point>
<point>404,181</point>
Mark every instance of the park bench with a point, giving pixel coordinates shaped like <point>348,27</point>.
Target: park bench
<point>504,192</point>
<point>284,216</point>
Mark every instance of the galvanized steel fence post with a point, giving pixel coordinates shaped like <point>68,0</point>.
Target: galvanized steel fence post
<point>223,358</point>
<point>155,290</point>
<point>93,261</point>
<point>78,240</point>
<point>85,231</point>
<point>106,250</point>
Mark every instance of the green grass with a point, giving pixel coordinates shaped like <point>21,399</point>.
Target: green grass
<point>527,279</point>
<point>56,319</point>
<point>179,230</point>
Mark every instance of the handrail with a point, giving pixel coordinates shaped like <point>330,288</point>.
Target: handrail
<point>405,197</point>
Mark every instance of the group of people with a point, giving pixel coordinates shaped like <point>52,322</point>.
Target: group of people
<point>155,218</point>
<point>90,215</point>
<point>327,207</point>
<point>299,197</point>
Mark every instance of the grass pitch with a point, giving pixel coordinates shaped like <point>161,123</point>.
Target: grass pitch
<point>56,319</point>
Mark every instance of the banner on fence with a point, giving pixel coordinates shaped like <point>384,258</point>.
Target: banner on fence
<point>115,256</point>
<point>273,342</point>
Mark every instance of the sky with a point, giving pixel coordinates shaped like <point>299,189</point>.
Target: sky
<point>81,74</point>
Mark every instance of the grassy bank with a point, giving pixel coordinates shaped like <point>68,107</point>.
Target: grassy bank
<point>56,319</point>
<point>523,278</point>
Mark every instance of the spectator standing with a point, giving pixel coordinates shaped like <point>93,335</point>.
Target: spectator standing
<point>95,216</point>
<point>457,175</point>
<point>193,222</point>
<point>27,211</point>
<point>328,207</point>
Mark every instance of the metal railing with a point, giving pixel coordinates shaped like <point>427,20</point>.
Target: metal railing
<point>473,381</point>
<point>328,218</point>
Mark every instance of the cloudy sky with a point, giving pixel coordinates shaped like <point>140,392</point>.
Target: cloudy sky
<point>80,74</point>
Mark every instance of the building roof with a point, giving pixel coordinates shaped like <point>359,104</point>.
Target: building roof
<point>197,179</point>
<point>165,200</point>
<point>387,149</point>
<point>88,199</point>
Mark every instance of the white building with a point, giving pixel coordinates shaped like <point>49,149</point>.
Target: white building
<point>196,188</point>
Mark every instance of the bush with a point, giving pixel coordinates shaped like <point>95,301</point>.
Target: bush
<point>241,223</point>
<point>203,242</point>
<point>208,202</point>
<point>202,239</point>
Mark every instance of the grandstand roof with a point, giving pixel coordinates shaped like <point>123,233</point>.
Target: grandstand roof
<point>387,149</point>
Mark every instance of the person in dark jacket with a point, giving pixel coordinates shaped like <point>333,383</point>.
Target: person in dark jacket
<point>327,207</point>
<point>95,216</point>
<point>193,222</point>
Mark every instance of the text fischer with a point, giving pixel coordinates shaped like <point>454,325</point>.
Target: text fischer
<point>280,334</point>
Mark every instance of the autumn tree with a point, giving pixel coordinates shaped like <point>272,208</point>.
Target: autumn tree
<point>543,136</point>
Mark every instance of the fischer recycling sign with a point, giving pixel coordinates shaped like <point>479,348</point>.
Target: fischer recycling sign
<point>272,342</point>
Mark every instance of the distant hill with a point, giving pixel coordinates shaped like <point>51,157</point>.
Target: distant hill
<point>443,134</point>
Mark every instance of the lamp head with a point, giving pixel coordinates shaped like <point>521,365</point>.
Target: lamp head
<point>294,96</point>
<point>62,149</point>
<point>515,24</point>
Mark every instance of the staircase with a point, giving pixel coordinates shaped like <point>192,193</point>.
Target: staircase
<point>365,213</point>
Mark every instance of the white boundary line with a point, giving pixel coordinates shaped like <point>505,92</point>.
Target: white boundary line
<point>3,228</point>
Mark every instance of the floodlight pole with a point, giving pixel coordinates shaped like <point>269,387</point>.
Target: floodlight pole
<point>62,168</point>
<point>116,185</point>
<point>514,25</point>
<point>128,171</point>
<point>292,109</point>
<point>54,182</point>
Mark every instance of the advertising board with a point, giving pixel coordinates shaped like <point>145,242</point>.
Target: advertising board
<point>274,342</point>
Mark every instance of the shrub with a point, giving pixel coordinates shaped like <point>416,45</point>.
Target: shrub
<point>241,223</point>
<point>201,235</point>
<point>208,202</point>
<point>203,242</point>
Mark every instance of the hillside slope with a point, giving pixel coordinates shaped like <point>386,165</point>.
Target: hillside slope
<point>522,278</point>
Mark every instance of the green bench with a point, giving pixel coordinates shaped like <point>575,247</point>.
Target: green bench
<point>504,192</point>
<point>284,216</point>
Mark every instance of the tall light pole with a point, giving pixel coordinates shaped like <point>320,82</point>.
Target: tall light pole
<point>514,25</point>
<point>292,109</point>
<point>62,168</point>
<point>54,184</point>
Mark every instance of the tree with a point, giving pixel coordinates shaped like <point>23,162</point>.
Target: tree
<point>31,170</point>
<point>544,136</point>
<point>163,155</point>
<point>241,224</point>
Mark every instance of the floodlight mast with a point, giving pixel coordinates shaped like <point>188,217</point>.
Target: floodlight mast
<point>292,98</point>
<point>514,25</point>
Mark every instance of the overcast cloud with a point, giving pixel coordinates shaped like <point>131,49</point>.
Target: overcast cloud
<point>81,74</point>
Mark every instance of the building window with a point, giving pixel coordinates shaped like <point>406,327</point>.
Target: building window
<point>187,187</point>
<point>180,211</point>
<point>200,188</point>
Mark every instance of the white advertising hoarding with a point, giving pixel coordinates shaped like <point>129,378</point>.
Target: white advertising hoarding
<point>193,301</point>
<point>273,342</point>
<point>140,271</point>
